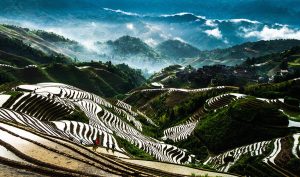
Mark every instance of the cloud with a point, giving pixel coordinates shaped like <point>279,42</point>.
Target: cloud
<point>214,33</point>
<point>226,41</point>
<point>152,28</point>
<point>179,39</point>
<point>130,26</point>
<point>210,23</point>
<point>244,20</point>
<point>268,33</point>
<point>151,42</point>
<point>121,12</point>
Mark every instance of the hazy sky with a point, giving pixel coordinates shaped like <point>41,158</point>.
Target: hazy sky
<point>206,24</point>
<point>280,11</point>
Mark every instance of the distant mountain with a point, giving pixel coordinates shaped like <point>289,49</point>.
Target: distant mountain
<point>31,56</point>
<point>175,49</point>
<point>239,53</point>
<point>128,45</point>
<point>275,64</point>
<point>170,50</point>
<point>130,50</point>
<point>90,21</point>
<point>274,67</point>
<point>45,43</point>
<point>18,46</point>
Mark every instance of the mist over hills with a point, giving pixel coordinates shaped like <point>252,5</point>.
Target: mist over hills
<point>133,51</point>
<point>149,88</point>
<point>202,28</point>
<point>277,11</point>
<point>167,35</point>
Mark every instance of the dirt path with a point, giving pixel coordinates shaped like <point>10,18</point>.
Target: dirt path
<point>45,155</point>
<point>109,152</point>
<point>14,172</point>
<point>37,146</point>
<point>178,169</point>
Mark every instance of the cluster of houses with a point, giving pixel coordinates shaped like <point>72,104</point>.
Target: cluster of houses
<point>233,75</point>
<point>217,75</point>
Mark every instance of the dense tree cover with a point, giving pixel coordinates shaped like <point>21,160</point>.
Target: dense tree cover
<point>128,45</point>
<point>251,49</point>
<point>26,75</point>
<point>194,146</point>
<point>249,165</point>
<point>78,116</point>
<point>243,122</point>
<point>252,166</point>
<point>133,150</point>
<point>18,47</point>
<point>169,109</point>
<point>175,108</point>
<point>14,60</point>
<point>274,90</point>
<point>265,113</point>
<point>52,37</point>
<point>175,49</point>
<point>100,79</point>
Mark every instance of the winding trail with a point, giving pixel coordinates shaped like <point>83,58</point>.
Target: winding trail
<point>178,169</point>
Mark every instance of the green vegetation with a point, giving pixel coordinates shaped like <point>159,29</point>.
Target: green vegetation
<point>252,49</point>
<point>275,90</point>
<point>194,175</point>
<point>294,165</point>
<point>128,45</point>
<point>51,37</point>
<point>102,79</point>
<point>168,109</point>
<point>291,101</point>
<point>195,146</point>
<point>273,64</point>
<point>258,112</point>
<point>266,61</point>
<point>295,63</point>
<point>149,129</point>
<point>7,87</point>
<point>26,75</point>
<point>133,150</point>
<point>14,60</point>
<point>175,49</point>
<point>293,115</point>
<point>253,166</point>
<point>78,116</point>
<point>20,51</point>
<point>243,122</point>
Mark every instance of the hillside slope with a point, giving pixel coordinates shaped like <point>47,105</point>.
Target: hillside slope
<point>239,53</point>
<point>102,79</point>
<point>48,126</point>
<point>25,43</point>
<point>225,129</point>
<point>175,49</point>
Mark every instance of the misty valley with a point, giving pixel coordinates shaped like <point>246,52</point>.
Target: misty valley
<point>152,88</point>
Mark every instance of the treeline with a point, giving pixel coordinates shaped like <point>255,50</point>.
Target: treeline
<point>19,48</point>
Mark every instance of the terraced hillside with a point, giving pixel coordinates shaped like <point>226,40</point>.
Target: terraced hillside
<point>103,79</point>
<point>48,126</point>
<point>225,129</point>
<point>37,45</point>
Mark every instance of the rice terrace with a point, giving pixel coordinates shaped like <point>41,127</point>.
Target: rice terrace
<point>149,88</point>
